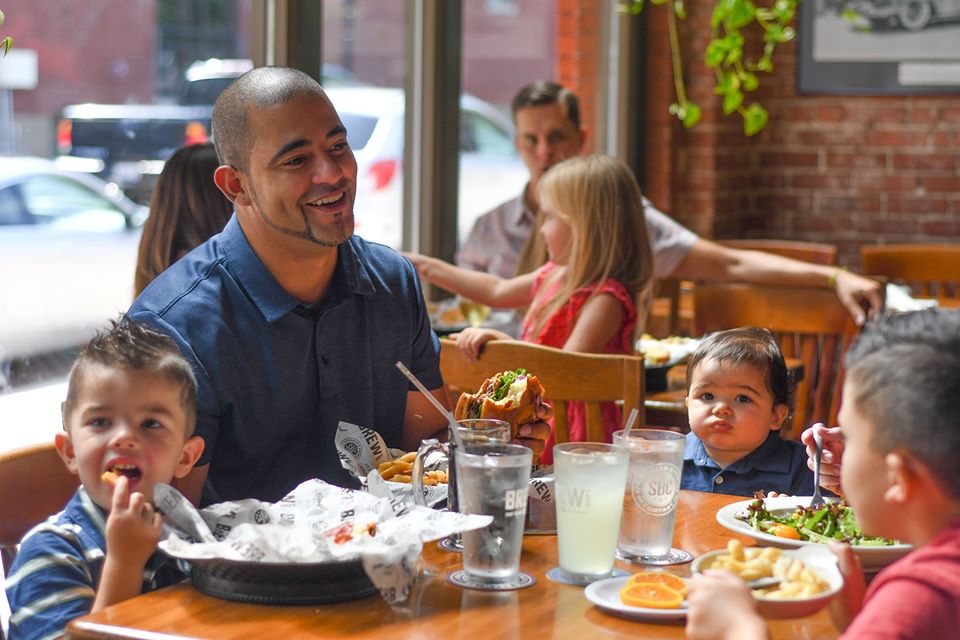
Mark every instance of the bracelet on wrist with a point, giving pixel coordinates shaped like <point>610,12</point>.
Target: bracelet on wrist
<point>832,278</point>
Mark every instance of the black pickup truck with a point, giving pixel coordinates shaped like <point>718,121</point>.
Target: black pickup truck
<point>128,144</point>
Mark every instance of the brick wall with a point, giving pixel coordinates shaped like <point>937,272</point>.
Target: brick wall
<point>849,170</point>
<point>578,26</point>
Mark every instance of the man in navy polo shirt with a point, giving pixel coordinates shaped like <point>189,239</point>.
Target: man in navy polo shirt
<point>291,322</point>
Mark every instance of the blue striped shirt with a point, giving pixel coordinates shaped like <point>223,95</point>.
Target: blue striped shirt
<point>56,572</point>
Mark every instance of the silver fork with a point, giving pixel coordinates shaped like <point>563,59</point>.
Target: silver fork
<point>817,500</point>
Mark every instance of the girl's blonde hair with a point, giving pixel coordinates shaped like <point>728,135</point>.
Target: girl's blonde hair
<point>601,199</point>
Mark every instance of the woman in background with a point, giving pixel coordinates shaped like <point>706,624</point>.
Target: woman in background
<point>185,210</point>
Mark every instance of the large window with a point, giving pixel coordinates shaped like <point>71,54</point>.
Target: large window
<point>83,145</point>
<point>121,84</point>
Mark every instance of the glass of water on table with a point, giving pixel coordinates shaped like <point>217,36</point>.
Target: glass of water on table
<point>493,479</point>
<point>650,497</point>
<point>590,477</point>
<point>471,430</point>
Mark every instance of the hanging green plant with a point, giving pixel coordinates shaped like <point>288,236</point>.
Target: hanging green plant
<point>7,42</point>
<point>736,74</point>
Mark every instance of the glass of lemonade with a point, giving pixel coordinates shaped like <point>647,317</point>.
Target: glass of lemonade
<point>590,477</point>
<point>650,497</point>
<point>492,479</point>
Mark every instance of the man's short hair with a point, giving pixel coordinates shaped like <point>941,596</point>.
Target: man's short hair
<point>753,346</point>
<point>538,94</point>
<point>263,87</point>
<point>132,345</point>
<point>906,372</point>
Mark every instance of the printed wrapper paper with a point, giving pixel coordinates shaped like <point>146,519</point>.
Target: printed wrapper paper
<point>292,530</point>
<point>363,450</point>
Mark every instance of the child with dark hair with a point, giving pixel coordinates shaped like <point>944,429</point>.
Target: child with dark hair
<point>738,397</point>
<point>901,433</point>
<point>128,422</point>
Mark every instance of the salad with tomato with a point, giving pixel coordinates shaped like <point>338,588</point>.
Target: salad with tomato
<point>832,521</point>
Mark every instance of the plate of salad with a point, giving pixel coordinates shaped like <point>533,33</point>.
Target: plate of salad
<point>788,522</point>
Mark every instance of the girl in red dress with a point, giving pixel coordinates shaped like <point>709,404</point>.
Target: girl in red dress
<point>586,297</point>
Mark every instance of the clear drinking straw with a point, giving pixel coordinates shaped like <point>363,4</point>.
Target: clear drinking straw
<point>631,420</point>
<point>454,432</point>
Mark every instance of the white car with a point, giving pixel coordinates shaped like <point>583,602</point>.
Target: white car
<point>491,172</point>
<point>68,249</point>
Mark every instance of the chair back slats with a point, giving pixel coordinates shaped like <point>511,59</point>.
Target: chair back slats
<point>34,485</point>
<point>810,324</point>
<point>930,270</point>
<point>566,376</point>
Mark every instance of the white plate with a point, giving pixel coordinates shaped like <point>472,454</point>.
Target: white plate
<point>606,595</point>
<point>872,558</point>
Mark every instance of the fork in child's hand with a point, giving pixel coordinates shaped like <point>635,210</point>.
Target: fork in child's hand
<point>817,500</point>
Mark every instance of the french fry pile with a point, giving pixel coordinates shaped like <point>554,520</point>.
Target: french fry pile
<point>796,579</point>
<point>400,470</point>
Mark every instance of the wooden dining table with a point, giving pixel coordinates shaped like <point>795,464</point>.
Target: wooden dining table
<point>436,608</point>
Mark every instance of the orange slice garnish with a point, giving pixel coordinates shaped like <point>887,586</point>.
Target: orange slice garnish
<point>650,595</point>
<point>659,577</point>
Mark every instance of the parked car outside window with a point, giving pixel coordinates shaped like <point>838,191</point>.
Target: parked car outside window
<point>68,247</point>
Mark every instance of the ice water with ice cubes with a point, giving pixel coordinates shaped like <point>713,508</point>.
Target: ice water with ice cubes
<point>492,479</point>
<point>650,497</point>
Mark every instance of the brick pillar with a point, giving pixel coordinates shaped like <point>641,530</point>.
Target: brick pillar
<point>578,28</point>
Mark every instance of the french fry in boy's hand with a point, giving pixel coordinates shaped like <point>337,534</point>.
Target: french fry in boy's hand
<point>110,477</point>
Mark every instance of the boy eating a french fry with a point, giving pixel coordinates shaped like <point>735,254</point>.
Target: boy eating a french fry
<point>900,421</point>
<point>128,423</point>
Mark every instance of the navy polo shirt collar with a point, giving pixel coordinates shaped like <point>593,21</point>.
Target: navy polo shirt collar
<point>350,276</point>
<point>771,456</point>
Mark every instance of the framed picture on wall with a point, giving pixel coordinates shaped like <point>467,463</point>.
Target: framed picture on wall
<point>889,47</point>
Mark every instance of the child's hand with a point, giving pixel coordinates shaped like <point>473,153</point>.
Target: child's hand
<point>847,604</point>
<point>133,527</point>
<point>472,339</point>
<point>721,606</point>
<point>832,453</point>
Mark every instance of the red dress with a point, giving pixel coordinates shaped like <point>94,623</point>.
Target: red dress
<point>557,330</point>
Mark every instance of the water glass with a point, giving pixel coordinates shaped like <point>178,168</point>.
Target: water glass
<point>590,477</point>
<point>650,496</point>
<point>492,479</point>
<point>472,430</point>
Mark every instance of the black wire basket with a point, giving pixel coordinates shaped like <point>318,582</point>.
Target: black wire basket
<point>282,583</point>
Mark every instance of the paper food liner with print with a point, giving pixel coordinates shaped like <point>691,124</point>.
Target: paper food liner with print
<point>302,527</point>
<point>363,450</point>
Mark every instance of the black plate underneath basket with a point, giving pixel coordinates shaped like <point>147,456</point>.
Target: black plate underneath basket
<point>282,583</point>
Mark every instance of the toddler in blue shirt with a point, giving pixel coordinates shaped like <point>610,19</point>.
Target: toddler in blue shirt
<point>738,397</point>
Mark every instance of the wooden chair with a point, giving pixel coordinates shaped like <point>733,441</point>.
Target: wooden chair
<point>815,252</point>
<point>34,484</point>
<point>673,310</point>
<point>930,270</point>
<point>810,324</point>
<point>664,316</point>
<point>590,377</point>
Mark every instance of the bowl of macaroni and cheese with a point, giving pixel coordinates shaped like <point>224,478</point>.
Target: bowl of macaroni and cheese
<point>808,577</point>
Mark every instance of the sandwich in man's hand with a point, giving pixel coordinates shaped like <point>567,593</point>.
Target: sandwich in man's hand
<point>511,396</point>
